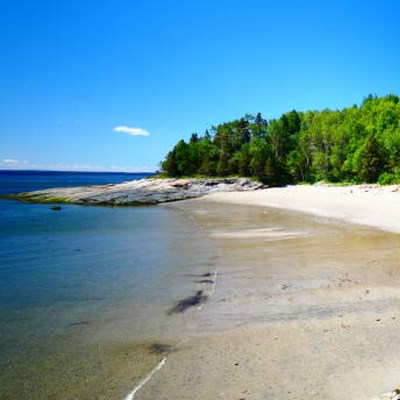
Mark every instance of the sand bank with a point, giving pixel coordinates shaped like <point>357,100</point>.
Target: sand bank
<point>377,206</point>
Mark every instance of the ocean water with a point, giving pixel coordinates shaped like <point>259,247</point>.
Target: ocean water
<point>24,181</point>
<point>85,291</point>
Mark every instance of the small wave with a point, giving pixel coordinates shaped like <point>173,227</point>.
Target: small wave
<point>132,394</point>
<point>268,233</point>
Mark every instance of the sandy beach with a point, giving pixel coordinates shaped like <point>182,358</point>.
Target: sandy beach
<point>306,301</point>
<point>373,205</point>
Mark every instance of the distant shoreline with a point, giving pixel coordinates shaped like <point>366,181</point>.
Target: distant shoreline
<point>137,192</point>
<point>367,204</point>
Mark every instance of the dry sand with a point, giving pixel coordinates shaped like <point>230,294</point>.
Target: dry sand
<point>377,206</point>
<point>305,307</point>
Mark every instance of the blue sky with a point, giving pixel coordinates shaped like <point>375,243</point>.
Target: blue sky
<point>72,71</point>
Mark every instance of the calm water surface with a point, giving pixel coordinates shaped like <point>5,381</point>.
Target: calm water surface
<point>84,290</point>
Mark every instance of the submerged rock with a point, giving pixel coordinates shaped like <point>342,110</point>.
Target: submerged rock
<point>161,348</point>
<point>188,302</point>
<point>137,192</point>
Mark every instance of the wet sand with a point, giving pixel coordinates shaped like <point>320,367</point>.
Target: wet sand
<point>304,307</point>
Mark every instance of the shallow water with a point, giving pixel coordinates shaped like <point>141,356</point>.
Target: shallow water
<point>85,292</point>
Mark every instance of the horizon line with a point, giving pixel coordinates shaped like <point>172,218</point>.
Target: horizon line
<point>75,171</point>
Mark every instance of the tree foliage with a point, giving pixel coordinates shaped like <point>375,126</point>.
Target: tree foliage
<point>357,144</point>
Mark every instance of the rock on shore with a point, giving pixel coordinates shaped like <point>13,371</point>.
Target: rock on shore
<point>395,395</point>
<point>143,191</point>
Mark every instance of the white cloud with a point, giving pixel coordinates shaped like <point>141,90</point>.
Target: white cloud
<point>131,131</point>
<point>13,161</point>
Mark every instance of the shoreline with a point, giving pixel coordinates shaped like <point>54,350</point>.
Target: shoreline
<point>370,205</point>
<point>366,204</point>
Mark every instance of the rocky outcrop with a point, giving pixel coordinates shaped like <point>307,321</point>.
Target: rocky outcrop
<point>143,191</point>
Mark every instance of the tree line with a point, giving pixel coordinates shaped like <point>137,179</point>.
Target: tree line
<point>355,144</point>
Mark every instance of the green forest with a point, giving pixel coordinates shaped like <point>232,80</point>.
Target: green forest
<point>356,144</point>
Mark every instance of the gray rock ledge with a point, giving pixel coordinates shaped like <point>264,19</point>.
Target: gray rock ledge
<point>137,192</point>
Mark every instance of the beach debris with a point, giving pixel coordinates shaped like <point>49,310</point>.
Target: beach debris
<point>388,396</point>
<point>56,208</point>
<point>188,302</point>
<point>395,395</point>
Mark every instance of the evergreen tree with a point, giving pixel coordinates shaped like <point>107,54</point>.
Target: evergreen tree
<point>356,143</point>
<point>373,162</point>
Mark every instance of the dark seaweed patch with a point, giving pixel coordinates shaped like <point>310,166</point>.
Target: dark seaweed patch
<point>191,301</point>
<point>205,281</point>
<point>205,275</point>
<point>79,323</point>
<point>161,348</point>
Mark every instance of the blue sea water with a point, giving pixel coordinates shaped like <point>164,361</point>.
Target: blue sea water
<point>86,278</point>
<point>25,181</point>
